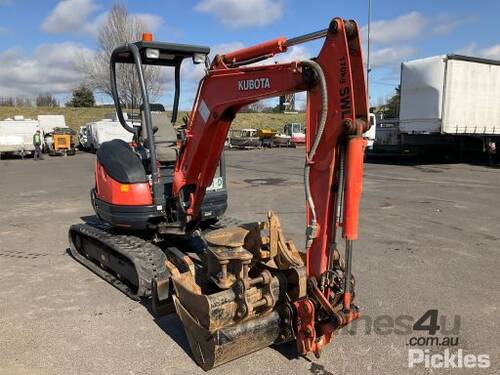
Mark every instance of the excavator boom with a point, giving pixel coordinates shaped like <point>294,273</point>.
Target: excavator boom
<point>337,115</point>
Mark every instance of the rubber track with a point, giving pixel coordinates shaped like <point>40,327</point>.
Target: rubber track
<point>147,258</point>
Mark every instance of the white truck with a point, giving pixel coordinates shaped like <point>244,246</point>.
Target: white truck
<point>16,136</point>
<point>450,103</point>
<point>96,133</point>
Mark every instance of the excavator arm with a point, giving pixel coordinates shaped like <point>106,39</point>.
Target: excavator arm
<point>337,116</point>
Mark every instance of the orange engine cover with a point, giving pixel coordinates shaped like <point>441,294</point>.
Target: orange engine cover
<point>114,192</point>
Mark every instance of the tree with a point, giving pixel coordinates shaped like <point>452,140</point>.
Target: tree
<point>119,28</point>
<point>82,97</point>
<point>7,101</point>
<point>392,106</point>
<point>46,100</point>
<point>253,108</point>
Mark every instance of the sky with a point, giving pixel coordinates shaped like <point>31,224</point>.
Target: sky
<point>40,40</point>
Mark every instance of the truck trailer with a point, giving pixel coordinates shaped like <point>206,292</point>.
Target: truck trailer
<point>450,105</point>
<point>16,136</point>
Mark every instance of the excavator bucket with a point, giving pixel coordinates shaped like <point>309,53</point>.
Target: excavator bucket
<point>213,348</point>
<point>240,307</point>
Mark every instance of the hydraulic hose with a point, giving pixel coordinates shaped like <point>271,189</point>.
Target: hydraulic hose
<point>311,230</point>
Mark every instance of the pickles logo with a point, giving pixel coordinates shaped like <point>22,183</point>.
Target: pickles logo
<point>254,84</point>
<point>447,359</point>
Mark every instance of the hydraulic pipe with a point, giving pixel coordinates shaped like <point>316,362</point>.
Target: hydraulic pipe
<point>306,38</point>
<point>271,47</point>
<point>352,198</point>
<point>353,186</point>
<point>337,205</point>
<point>348,272</point>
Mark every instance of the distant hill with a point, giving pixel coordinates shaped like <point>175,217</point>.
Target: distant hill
<point>75,117</point>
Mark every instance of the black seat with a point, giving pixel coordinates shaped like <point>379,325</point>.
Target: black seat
<point>121,163</point>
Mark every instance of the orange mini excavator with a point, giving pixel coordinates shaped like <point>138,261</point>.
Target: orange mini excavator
<point>241,287</point>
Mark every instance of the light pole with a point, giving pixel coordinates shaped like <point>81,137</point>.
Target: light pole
<point>368,53</point>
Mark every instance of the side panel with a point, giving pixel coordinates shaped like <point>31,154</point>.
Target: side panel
<point>49,122</point>
<point>472,97</point>
<point>116,193</point>
<point>422,84</point>
<point>16,135</point>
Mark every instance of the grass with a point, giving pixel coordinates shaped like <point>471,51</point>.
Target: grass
<point>75,117</point>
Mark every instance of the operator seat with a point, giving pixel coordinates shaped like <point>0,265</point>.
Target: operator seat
<point>165,136</point>
<point>120,162</point>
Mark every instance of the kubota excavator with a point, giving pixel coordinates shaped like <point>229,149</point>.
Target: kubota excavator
<point>236,288</point>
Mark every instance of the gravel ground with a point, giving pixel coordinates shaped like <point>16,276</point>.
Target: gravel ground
<point>429,239</point>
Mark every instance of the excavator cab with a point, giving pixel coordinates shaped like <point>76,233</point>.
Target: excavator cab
<point>124,195</point>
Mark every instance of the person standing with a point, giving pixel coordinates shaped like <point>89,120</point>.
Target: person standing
<point>491,150</point>
<point>37,142</point>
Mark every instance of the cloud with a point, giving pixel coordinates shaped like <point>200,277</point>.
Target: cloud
<point>468,50</point>
<point>69,16</point>
<point>390,38</point>
<point>390,56</point>
<point>236,14</point>
<point>49,69</point>
<point>407,26</point>
<point>294,53</point>
<point>151,21</point>
<point>191,74</point>
<point>491,52</point>
<point>74,16</point>
<point>447,25</point>
<point>411,26</point>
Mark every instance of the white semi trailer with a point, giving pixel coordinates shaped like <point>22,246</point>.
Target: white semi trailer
<point>450,104</point>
